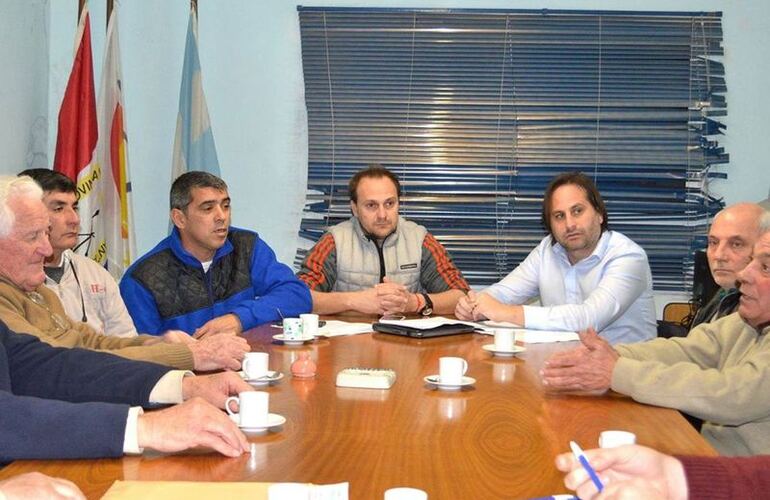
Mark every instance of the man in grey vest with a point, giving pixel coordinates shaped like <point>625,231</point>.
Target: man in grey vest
<point>377,262</point>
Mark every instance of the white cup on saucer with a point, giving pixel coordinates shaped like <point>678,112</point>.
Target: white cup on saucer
<point>255,364</point>
<point>309,324</point>
<point>292,329</point>
<point>613,439</point>
<point>405,494</point>
<point>451,370</point>
<point>252,408</point>
<point>505,339</point>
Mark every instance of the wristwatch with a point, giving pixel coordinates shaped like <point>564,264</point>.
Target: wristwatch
<point>428,309</point>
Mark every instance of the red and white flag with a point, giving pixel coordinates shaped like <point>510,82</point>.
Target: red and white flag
<point>100,171</point>
<point>116,244</point>
<point>78,131</point>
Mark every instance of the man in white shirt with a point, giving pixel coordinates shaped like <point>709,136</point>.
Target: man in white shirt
<point>718,373</point>
<point>87,291</point>
<point>584,274</point>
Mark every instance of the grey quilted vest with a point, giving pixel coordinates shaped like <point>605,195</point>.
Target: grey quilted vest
<point>358,260</point>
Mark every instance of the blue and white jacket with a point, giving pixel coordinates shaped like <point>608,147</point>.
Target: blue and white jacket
<point>168,289</point>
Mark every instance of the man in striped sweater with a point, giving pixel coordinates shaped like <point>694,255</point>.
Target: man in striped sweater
<point>378,262</point>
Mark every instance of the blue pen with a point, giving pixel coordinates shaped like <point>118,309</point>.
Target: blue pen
<point>584,462</point>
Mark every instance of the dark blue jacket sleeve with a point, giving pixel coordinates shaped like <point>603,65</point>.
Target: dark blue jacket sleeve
<point>33,428</point>
<point>279,293</point>
<point>66,403</point>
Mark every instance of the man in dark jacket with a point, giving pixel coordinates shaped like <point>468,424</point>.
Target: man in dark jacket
<point>208,277</point>
<point>74,403</point>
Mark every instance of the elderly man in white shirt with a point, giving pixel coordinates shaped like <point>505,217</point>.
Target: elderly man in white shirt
<point>584,274</point>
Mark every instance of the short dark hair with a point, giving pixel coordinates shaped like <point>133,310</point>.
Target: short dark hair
<point>375,171</point>
<point>582,181</point>
<point>181,189</point>
<point>50,180</point>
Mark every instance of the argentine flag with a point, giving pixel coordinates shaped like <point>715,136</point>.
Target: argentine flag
<point>194,147</point>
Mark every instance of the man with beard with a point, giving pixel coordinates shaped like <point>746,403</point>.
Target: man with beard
<point>585,274</point>
<point>377,262</point>
<point>718,373</point>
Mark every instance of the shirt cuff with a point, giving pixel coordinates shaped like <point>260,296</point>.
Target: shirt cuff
<point>131,435</point>
<point>534,317</point>
<point>168,390</point>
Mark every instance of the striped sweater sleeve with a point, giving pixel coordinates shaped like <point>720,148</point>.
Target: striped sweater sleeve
<point>319,269</point>
<point>438,273</point>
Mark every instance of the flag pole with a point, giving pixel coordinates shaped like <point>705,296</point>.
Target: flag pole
<point>109,13</point>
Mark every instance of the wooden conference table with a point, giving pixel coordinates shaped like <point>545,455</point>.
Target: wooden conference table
<point>497,439</point>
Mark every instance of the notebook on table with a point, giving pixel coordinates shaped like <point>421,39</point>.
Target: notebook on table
<point>423,328</point>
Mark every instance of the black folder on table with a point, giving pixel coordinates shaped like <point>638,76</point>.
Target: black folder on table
<point>423,333</point>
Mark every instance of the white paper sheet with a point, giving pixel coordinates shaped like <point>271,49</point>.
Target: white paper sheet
<point>544,336</point>
<point>529,336</point>
<point>335,328</point>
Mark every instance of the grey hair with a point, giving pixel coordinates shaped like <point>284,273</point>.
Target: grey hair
<point>764,222</point>
<point>15,187</point>
<point>181,189</point>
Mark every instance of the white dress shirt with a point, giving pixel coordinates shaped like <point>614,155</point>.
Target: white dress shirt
<point>610,290</point>
<point>167,390</point>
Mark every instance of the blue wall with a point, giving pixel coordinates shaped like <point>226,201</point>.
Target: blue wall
<point>252,76</point>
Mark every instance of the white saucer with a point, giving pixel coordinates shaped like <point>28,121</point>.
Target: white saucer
<point>273,420</point>
<point>299,341</point>
<point>434,380</point>
<point>272,376</point>
<point>503,353</point>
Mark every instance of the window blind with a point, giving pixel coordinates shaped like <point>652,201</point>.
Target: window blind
<point>476,110</point>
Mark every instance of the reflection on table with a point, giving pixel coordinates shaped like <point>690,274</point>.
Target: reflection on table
<point>496,439</point>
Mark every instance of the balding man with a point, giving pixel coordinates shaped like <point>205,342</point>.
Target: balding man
<point>730,241</point>
<point>719,373</point>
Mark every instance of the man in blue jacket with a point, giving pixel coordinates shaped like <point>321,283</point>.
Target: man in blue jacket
<point>62,403</point>
<point>208,277</point>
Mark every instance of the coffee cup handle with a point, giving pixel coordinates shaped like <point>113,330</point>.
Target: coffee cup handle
<point>227,404</point>
<point>465,366</point>
<point>245,366</point>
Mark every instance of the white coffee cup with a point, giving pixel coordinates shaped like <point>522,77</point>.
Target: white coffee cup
<point>255,364</point>
<point>252,407</point>
<point>309,324</point>
<point>505,339</point>
<point>451,370</point>
<point>613,439</point>
<point>405,494</point>
<point>292,328</point>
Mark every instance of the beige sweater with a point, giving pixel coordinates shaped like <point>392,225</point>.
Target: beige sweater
<point>22,314</point>
<point>720,373</point>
